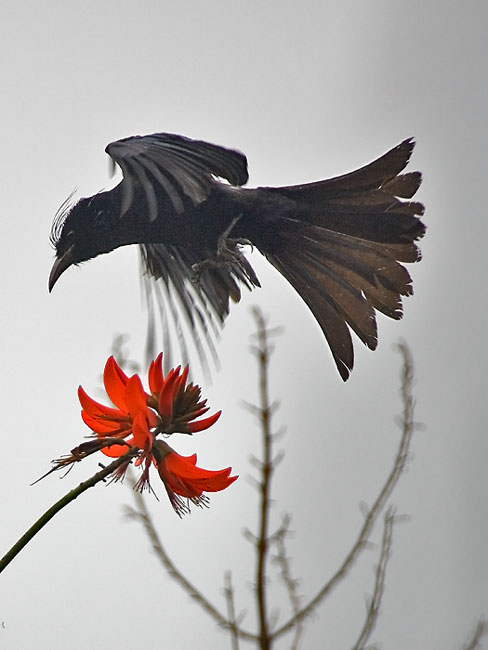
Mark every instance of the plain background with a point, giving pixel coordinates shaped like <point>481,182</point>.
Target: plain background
<point>307,90</point>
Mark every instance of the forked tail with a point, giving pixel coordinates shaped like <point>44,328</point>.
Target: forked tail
<point>343,251</point>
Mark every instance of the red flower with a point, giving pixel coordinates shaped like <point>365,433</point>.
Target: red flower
<point>170,408</point>
<point>132,416</point>
<point>138,417</point>
<point>182,477</point>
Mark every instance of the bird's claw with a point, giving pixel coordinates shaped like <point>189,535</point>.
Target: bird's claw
<point>225,245</point>
<point>227,253</point>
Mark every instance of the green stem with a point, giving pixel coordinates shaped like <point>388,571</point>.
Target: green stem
<point>59,505</point>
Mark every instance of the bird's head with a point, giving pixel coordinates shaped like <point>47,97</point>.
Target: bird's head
<point>80,231</point>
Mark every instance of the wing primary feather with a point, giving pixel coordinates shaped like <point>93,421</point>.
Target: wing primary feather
<point>127,188</point>
<point>181,167</point>
<point>166,183</point>
<point>147,186</point>
<point>174,273</point>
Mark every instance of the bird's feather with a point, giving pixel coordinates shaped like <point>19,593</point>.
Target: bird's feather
<point>175,165</point>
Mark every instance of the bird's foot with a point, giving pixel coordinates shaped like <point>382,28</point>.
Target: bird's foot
<point>228,256</point>
<point>200,267</point>
<point>226,245</point>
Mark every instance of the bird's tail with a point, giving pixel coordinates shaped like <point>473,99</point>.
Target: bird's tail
<point>342,248</point>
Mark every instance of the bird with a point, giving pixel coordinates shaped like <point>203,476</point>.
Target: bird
<point>341,242</point>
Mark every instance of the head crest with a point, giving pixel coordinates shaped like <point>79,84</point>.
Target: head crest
<point>60,218</point>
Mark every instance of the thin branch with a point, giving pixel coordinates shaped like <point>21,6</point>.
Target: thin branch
<point>480,631</point>
<point>231,611</point>
<point>142,513</point>
<point>59,505</point>
<point>291,584</point>
<point>408,426</point>
<point>262,351</point>
<point>379,586</point>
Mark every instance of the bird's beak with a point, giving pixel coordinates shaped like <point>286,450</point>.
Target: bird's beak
<point>60,265</point>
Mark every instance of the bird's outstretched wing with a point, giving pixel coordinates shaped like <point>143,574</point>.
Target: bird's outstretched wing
<point>192,312</point>
<point>171,174</point>
<point>174,165</point>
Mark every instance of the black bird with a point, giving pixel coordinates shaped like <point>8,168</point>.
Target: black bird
<point>339,242</point>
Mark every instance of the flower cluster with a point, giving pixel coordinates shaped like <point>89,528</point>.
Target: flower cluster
<point>138,417</point>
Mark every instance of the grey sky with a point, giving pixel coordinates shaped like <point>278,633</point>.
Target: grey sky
<point>306,90</point>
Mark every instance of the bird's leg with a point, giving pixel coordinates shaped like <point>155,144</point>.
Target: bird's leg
<point>228,254</point>
<point>227,251</point>
<point>225,244</point>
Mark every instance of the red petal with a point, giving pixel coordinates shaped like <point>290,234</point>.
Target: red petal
<point>219,480</point>
<point>217,483</point>
<point>98,410</point>
<point>193,414</point>
<point>178,506</point>
<point>114,451</point>
<point>201,425</point>
<point>106,427</point>
<point>141,431</point>
<point>178,464</point>
<point>183,475</point>
<point>185,467</point>
<point>165,401</point>
<point>135,397</point>
<point>183,378</point>
<point>151,418</point>
<point>115,381</point>
<point>170,479</point>
<point>183,488</point>
<point>155,374</point>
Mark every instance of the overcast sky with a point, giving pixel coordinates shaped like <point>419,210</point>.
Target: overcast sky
<point>307,90</point>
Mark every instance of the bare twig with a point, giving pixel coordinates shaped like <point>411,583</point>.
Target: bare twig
<point>374,605</point>
<point>263,540</point>
<point>121,355</point>
<point>262,351</point>
<point>480,631</point>
<point>407,425</point>
<point>231,611</point>
<point>291,584</point>
<point>142,513</point>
